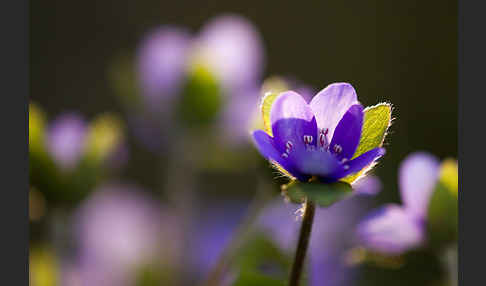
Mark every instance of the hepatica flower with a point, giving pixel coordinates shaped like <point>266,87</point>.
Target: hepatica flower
<point>394,229</point>
<point>66,139</point>
<point>331,138</point>
<point>212,75</point>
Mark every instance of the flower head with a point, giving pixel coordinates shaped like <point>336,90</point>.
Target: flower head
<point>393,228</point>
<point>319,139</point>
<point>66,139</point>
<point>121,229</point>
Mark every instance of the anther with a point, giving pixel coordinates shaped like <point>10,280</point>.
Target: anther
<point>285,155</point>
<point>323,137</point>
<point>346,167</point>
<point>308,139</point>
<point>289,146</point>
<point>344,160</point>
<point>337,149</point>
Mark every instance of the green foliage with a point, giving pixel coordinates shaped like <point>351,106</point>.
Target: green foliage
<point>201,99</point>
<point>256,279</point>
<point>322,194</point>
<point>104,136</point>
<point>443,207</point>
<point>376,121</point>
<point>260,262</point>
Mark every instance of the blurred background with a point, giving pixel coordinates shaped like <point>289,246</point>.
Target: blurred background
<point>141,167</point>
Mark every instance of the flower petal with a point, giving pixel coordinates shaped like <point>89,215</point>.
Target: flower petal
<point>266,146</point>
<point>161,61</point>
<point>291,118</point>
<point>361,162</point>
<point>330,104</point>
<point>66,140</point>
<point>418,176</point>
<point>316,163</point>
<point>348,132</point>
<point>391,229</point>
<point>232,48</point>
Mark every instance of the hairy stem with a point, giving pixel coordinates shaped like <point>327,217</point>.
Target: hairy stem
<point>304,236</point>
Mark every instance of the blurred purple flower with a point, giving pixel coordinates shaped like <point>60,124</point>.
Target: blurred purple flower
<point>228,46</point>
<point>162,60</point>
<point>317,139</point>
<point>232,49</point>
<point>120,229</point>
<point>369,185</point>
<point>395,229</point>
<point>66,139</point>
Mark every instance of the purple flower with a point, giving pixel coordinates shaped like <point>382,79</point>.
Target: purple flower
<point>66,140</point>
<point>120,229</point>
<point>393,228</point>
<point>228,47</point>
<point>232,49</point>
<point>369,185</point>
<point>162,63</point>
<point>317,139</point>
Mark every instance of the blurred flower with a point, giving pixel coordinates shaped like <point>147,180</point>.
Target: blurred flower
<point>369,185</point>
<point>232,49</point>
<point>120,230</point>
<point>66,139</point>
<point>162,62</point>
<point>394,229</point>
<point>70,139</point>
<point>213,74</point>
<point>317,139</point>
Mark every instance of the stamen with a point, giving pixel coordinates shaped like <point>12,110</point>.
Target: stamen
<point>337,149</point>
<point>344,160</point>
<point>323,142</point>
<point>288,146</point>
<point>285,155</point>
<point>346,167</point>
<point>308,139</point>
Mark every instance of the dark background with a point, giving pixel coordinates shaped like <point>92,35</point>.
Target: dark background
<point>403,52</point>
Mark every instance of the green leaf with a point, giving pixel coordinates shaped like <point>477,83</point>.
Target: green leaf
<point>104,136</point>
<point>266,107</point>
<point>202,97</point>
<point>377,120</point>
<point>449,176</point>
<point>260,262</point>
<point>322,194</point>
<point>443,208</point>
<point>252,278</point>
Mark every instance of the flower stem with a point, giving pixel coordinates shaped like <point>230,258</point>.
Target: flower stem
<point>303,243</point>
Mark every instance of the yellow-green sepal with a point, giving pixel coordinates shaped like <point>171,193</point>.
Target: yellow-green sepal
<point>377,119</point>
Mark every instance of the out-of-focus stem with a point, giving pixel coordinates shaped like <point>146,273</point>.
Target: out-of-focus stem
<point>303,243</point>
